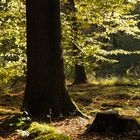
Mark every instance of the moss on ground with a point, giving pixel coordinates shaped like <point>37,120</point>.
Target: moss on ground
<point>42,131</point>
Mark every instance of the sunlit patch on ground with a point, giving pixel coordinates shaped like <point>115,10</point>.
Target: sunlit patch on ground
<point>90,99</point>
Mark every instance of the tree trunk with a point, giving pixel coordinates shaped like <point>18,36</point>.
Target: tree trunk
<point>45,92</point>
<point>80,73</point>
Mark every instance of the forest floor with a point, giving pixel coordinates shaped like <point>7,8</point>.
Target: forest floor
<point>90,99</point>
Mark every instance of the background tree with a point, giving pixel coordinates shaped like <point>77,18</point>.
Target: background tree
<point>45,92</point>
<point>97,22</point>
<point>79,73</point>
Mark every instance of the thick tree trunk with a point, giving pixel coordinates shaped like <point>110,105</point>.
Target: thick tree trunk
<point>80,73</point>
<point>45,92</point>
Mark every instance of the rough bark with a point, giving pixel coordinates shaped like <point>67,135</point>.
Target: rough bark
<point>45,92</point>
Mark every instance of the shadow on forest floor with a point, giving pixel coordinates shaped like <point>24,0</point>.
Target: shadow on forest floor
<point>90,99</point>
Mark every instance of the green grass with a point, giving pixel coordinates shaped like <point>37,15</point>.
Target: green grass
<point>119,95</point>
<point>116,81</point>
<point>91,99</point>
<point>136,96</point>
<point>5,111</point>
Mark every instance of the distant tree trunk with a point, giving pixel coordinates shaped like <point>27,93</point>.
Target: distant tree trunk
<point>45,92</point>
<point>80,73</point>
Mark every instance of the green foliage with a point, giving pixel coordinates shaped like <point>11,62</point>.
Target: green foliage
<point>97,21</point>
<point>22,125</point>
<point>12,41</point>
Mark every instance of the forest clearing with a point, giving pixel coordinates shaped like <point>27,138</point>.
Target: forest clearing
<point>90,99</point>
<point>70,70</point>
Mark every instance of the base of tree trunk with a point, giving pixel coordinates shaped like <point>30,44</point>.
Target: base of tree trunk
<point>112,122</point>
<point>71,108</point>
<point>67,108</point>
<point>80,75</point>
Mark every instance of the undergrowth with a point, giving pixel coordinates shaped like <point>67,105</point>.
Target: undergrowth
<point>89,98</point>
<point>21,124</point>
